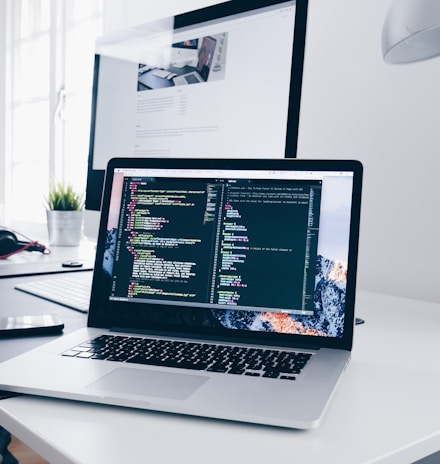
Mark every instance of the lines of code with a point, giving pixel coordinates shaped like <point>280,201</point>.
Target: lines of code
<point>268,233</point>
<point>162,239</point>
<point>219,242</point>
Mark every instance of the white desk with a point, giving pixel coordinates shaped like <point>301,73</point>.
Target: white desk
<point>33,263</point>
<point>386,410</point>
<point>39,267</point>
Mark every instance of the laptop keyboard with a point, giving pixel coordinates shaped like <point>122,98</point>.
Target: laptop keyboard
<point>255,362</point>
<point>191,79</point>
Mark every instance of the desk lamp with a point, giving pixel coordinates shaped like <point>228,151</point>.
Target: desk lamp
<point>411,31</point>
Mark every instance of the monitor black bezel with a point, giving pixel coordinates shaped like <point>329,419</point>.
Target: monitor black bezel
<point>95,177</point>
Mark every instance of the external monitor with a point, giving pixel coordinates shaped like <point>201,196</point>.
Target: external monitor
<point>222,81</point>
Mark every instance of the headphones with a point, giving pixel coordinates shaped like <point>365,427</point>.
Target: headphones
<point>10,245</point>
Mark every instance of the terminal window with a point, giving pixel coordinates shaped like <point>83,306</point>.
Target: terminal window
<point>218,243</point>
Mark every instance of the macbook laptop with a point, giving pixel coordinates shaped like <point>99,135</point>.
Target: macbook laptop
<point>206,56</point>
<point>222,288</point>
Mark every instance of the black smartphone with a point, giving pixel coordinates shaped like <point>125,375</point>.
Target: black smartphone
<point>18,326</point>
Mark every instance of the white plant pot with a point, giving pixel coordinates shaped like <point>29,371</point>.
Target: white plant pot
<point>65,228</point>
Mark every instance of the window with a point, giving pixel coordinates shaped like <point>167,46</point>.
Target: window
<point>49,53</point>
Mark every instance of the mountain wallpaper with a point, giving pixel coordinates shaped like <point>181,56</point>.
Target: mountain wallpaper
<point>329,301</point>
<point>328,320</point>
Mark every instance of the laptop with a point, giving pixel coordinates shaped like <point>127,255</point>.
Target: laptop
<point>201,74</point>
<point>222,288</point>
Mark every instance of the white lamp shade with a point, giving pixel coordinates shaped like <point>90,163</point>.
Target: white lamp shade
<point>411,31</point>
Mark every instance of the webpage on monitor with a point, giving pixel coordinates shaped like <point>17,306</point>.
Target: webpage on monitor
<point>239,105</point>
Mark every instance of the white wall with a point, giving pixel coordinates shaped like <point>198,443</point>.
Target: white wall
<point>356,106</point>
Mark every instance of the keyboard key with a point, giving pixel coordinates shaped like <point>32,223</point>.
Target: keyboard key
<point>253,362</point>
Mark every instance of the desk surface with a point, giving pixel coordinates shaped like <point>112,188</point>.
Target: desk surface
<point>34,263</point>
<point>39,266</point>
<point>386,409</point>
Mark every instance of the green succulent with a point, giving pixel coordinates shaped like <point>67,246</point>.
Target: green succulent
<point>63,197</point>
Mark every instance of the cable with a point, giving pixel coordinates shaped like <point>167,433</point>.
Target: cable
<point>30,245</point>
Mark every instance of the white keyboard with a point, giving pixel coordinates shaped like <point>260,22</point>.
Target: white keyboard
<point>72,291</point>
<point>161,73</point>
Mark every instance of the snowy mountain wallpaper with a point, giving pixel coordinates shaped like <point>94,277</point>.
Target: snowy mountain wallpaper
<point>328,319</point>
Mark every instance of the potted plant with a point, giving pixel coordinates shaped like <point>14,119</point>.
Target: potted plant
<point>64,210</point>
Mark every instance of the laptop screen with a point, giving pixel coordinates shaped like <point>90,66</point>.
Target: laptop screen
<point>257,250</point>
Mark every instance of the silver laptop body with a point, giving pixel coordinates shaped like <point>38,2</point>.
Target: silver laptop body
<point>232,254</point>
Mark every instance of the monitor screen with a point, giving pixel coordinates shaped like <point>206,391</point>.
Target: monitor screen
<point>222,81</point>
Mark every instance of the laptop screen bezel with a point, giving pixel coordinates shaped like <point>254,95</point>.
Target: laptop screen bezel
<point>125,317</point>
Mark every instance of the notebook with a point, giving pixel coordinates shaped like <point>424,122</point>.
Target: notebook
<point>221,288</point>
<point>206,56</point>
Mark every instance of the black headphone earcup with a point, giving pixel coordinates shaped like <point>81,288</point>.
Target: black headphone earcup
<point>8,242</point>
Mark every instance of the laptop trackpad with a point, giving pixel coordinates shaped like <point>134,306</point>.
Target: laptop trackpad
<point>149,383</point>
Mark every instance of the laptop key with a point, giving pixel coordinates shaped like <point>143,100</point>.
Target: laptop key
<point>253,362</point>
<point>217,368</point>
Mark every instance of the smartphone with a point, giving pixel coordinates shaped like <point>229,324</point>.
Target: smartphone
<point>18,326</point>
